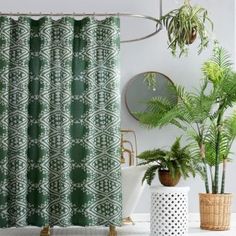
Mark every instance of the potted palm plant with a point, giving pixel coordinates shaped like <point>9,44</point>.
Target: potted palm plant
<point>221,134</point>
<point>170,165</point>
<point>184,24</point>
<point>201,115</point>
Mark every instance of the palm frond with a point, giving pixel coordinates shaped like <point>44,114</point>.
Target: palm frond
<point>211,143</point>
<point>221,57</point>
<point>230,125</point>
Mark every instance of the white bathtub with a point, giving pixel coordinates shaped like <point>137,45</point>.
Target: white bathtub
<point>132,187</point>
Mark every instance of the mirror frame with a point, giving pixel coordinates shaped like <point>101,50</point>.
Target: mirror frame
<point>130,82</point>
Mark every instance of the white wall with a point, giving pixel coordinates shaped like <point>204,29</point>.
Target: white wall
<point>151,54</point>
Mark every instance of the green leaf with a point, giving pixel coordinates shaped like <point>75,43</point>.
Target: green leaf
<point>150,174</point>
<point>180,23</point>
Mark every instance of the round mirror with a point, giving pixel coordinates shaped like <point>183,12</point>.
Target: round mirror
<point>146,86</point>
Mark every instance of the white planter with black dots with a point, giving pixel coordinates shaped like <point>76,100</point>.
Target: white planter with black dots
<point>169,211</point>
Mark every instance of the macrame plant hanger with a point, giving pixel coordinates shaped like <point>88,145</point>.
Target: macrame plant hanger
<point>158,27</point>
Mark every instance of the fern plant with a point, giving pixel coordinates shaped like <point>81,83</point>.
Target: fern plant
<point>200,115</point>
<point>184,24</point>
<point>177,161</point>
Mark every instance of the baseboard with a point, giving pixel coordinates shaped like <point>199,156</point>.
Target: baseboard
<point>193,217</point>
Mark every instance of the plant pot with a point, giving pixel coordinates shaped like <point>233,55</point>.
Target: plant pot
<point>215,211</point>
<point>191,38</point>
<point>166,178</point>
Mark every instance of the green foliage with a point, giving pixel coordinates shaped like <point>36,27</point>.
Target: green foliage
<point>150,174</point>
<point>221,57</point>
<point>182,23</point>
<point>177,160</point>
<point>217,68</point>
<point>200,115</point>
<point>150,80</point>
<point>213,71</point>
<point>190,108</point>
<point>225,90</point>
<point>230,126</point>
<point>211,143</point>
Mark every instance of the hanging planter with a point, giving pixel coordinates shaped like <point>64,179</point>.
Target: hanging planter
<point>191,38</point>
<point>184,25</point>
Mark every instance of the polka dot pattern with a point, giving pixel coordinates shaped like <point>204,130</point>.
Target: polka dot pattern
<point>169,214</point>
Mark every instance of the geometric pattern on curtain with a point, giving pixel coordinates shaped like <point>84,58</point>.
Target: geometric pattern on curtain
<point>59,122</point>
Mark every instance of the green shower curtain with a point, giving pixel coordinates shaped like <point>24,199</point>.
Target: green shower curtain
<point>59,122</point>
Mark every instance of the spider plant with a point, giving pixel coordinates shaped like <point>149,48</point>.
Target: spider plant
<point>184,25</point>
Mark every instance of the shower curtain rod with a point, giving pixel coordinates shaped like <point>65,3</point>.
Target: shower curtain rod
<point>158,25</point>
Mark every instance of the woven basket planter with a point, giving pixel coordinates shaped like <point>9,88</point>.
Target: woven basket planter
<point>215,211</point>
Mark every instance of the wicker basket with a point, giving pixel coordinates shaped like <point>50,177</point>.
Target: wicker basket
<point>215,211</point>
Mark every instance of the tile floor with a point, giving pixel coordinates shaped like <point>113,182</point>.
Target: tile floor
<point>140,229</point>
